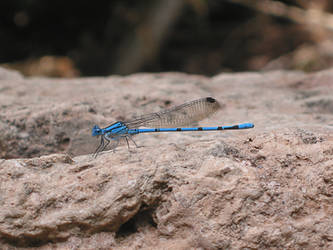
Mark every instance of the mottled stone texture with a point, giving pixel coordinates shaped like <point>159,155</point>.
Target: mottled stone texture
<point>270,187</point>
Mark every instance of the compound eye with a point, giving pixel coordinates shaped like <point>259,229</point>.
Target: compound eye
<point>96,131</point>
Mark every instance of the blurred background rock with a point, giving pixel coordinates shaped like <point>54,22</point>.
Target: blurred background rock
<point>85,38</point>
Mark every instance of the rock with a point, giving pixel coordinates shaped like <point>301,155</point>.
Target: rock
<point>267,187</point>
<point>6,74</point>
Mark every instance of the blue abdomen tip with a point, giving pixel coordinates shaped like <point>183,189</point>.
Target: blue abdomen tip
<point>246,125</point>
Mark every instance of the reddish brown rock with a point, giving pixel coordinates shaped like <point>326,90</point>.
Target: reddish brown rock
<point>268,187</point>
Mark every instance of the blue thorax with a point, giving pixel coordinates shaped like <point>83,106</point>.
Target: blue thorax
<point>114,129</point>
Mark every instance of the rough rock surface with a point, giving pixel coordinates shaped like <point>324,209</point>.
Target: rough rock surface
<point>268,187</point>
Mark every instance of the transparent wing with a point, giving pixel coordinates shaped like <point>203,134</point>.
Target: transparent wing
<point>182,115</point>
